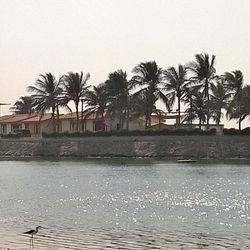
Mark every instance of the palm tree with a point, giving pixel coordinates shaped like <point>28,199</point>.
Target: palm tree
<point>96,101</point>
<point>199,108</point>
<point>190,91</point>
<point>24,105</point>
<point>46,93</point>
<point>245,102</point>
<point>203,73</point>
<point>234,82</point>
<point>74,89</point>
<point>118,88</point>
<point>176,83</point>
<point>138,102</point>
<point>220,96</point>
<point>150,76</point>
<point>242,109</point>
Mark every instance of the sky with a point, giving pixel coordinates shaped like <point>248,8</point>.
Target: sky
<point>101,36</point>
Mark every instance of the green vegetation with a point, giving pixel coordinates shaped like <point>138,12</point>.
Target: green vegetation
<point>232,131</point>
<point>203,94</point>
<point>133,133</point>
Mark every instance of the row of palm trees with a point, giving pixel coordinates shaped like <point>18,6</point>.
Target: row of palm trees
<point>203,93</point>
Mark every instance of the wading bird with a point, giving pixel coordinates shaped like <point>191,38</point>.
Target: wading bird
<point>32,232</point>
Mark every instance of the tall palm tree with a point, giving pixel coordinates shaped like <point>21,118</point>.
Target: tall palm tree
<point>245,103</point>
<point>118,88</point>
<point>96,101</point>
<point>203,73</point>
<point>191,90</point>
<point>138,104</point>
<point>242,109</point>
<point>220,96</point>
<point>234,82</point>
<point>150,76</point>
<point>199,108</point>
<point>46,93</point>
<point>176,83</point>
<point>24,105</point>
<point>75,85</point>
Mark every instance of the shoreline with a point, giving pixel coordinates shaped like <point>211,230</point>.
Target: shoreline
<point>78,158</point>
<point>155,147</point>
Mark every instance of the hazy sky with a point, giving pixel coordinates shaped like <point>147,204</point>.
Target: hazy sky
<point>100,36</point>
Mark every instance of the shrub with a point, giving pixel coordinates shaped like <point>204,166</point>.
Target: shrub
<point>11,136</point>
<point>245,131</point>
<point>180,132</point>
<point>231,131</point>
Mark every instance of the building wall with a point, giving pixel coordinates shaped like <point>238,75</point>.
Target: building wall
<point>37,128</point>
<point>69,125</point>
<point>89,126</point>
<point>8,127</point>
<point>65,125</point>
<point>134,124</point>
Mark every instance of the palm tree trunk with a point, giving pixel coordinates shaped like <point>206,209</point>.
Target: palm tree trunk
<point>219,116</point>
<point>58,119</point>
<point>179,112</point>
<point>146,120</point>
<point>120,122</point>
<point>149,115</point>
<point>151,104</point>
<point>82,127</point>
<point>207,94</point>
<point>127,119</point>
<point>53,119</point>
<point>103,125</point>
<point>123,119</point>
<point>159,121</point>
<point>190,112</point>
<point>77,117</point>
<point>240,123</point>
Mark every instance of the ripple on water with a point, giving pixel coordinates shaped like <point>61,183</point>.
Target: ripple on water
<point>140,238</point>
<point>154,206</point>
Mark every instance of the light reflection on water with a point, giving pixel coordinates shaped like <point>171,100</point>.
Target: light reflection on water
<point>125,204</point>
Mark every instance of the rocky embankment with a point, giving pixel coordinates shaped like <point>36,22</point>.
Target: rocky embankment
<point>170,147</point>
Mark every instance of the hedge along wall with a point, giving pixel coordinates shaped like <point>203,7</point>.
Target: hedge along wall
<point>170,147</point>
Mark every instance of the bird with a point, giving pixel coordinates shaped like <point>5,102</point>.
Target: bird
<point>32,232</point>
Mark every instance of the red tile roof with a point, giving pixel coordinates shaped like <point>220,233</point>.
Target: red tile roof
<point>16,118</point>
<point>73,115</point>
<point>25,118</point>
<point>38,118</point>
<point>70,116</point>
<point>4,117</point>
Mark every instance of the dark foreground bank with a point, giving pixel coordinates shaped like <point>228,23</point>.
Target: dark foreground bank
<point>169,147</point>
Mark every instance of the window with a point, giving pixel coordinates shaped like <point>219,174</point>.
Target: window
<point>37,129</point>
<point>15,126</point>
<point>59,127</point>
<point>3,129</point>
<point>72,125</point>
<point>99,126</point>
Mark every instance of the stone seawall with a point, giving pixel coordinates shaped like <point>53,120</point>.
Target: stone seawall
<point>170,147</point>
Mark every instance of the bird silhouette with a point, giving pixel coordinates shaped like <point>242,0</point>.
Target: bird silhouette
<point>32,232</point>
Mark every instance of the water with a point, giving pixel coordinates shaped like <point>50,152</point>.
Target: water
<point>125,204</point>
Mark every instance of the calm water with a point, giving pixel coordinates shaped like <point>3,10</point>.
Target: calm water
<point>125,204</point>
